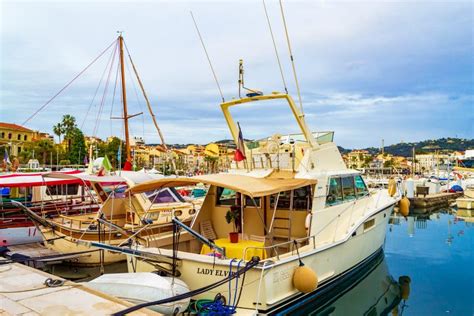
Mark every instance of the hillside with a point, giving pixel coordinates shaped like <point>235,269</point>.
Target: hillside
<point>400,149</point>
<point>426,146</point>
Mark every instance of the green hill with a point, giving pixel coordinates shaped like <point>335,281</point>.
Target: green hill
<point>426,146</point>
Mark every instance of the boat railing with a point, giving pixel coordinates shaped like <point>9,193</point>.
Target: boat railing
<point>274,248</point>
<point>79,223</point>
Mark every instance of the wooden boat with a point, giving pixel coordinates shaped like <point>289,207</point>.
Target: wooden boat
<point>119,219</point>
<point>296,200</point>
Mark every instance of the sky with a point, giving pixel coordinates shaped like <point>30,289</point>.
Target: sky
<point>368,70</point>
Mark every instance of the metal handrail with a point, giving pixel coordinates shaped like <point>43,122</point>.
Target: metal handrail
<point>348,207</point>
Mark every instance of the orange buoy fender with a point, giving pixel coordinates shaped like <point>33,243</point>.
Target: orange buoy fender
<point>305,279</point>
<point>392,187</point>
<point>404,206</point>
<point>404,282</point>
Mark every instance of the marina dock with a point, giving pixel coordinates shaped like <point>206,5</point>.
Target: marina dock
<point>433,200</point>
<point>27,291</point>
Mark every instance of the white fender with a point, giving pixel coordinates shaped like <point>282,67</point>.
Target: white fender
<point>307,222</point>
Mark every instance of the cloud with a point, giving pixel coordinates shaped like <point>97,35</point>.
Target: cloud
<point>368,70</point>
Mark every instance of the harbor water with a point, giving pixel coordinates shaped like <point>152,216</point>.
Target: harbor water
<point>435,250</point>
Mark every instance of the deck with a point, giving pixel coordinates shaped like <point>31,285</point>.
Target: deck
<point>23,291</point>
<point>433,200</point>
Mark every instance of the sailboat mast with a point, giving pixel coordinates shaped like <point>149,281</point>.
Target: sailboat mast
<point>124,99</point>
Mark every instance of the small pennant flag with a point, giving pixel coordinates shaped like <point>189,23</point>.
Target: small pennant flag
<point>106,164</point>
<point>127,166</point>
<point>6,159</point>
<point>239,154</point>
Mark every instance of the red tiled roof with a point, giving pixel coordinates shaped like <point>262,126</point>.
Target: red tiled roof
<point>14,127</point>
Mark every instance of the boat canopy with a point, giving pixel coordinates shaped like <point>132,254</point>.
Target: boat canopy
<point>251,186</point>
<point>37,179</point>
<point>84,177</point>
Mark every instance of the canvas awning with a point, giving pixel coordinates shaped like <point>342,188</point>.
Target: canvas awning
<point>86,177</point>
<point>37,179</point>
<point>251,186</point>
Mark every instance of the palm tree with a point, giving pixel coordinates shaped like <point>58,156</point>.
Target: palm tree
<point>58,130</point>
<point>68,124</point>
<point>44,147</point>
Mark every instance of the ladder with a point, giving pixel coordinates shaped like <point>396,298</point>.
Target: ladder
<point>283,224</point>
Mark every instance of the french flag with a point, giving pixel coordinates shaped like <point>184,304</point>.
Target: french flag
<point>239,154</point>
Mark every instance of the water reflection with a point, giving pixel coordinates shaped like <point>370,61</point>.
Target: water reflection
<point>418,219</point>
<point>434,247</point>
<point>370,291</point>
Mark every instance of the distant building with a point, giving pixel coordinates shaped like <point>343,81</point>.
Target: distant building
<point>14,137</point>
<point>357,159</point>
<point>429,162</point>
<point>92,140</point>
<point>137,141</point>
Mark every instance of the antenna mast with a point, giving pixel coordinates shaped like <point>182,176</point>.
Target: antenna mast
<point>291,57</point>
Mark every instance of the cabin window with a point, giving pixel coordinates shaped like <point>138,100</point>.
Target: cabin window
<point>335,192</point>
<point>348,189</point>
<point>166,195</point>
<point>302,198</point>
<point>62,189</point>
<point>369,224</point>
<point>152,216</point>
<point>225,196</point>
<point>250,203</point>
<point>283,200</point>
<point>361,188</point>
<point>160,196</point>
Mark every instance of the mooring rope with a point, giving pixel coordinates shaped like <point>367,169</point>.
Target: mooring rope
<point>67,85</point>
<point>252,263</point>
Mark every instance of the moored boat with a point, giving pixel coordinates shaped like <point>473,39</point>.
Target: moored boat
<point>293,202</point>
<point>119,220</point>
<point>49,197</point>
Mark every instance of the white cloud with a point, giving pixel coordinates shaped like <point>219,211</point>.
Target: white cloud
<point>367,69</point>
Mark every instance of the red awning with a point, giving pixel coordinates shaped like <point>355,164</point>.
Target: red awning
<point>16,180</point>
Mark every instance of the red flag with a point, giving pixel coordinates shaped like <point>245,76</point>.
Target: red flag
<point>239,154</point>
<point>127,166</point>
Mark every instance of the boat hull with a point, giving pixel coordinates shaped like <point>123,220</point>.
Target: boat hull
<point>465,203</point>
<point>19,235</point>
<point>276,285</point>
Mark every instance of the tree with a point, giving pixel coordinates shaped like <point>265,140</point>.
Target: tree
<point>69,126</point>
<point>78,146</point>
<point>43,148</point>
<point>58,129</point>
<point>111,149</point>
